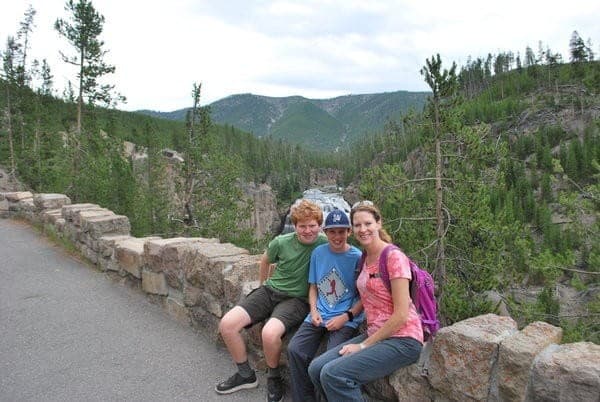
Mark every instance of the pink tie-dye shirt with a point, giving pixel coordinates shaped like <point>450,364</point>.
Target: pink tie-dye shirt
<point>377,299</point>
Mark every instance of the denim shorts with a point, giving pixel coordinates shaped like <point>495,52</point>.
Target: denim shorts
<point>265,302</point>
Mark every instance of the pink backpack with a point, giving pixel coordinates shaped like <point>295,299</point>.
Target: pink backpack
<point>422,291</point>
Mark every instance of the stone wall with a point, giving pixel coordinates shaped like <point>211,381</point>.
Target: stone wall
<point>485,358</point>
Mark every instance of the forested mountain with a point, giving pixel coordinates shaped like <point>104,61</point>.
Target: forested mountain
<point>314,123</point>
<point>493,186</point>
<point>496,190</point>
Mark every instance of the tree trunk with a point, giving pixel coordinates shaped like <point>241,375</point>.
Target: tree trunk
<point>440,267</point>
<point>10,134</point>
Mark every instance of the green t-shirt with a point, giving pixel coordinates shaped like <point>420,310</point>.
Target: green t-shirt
<point>292,259</point>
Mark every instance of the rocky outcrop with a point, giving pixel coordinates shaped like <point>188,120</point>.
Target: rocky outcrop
<point>264,219</point>
<point>484,358</point>
<point>325,177</point>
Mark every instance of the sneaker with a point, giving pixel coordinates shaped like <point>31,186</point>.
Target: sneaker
<point>275,389</point>
<point>235,383</point>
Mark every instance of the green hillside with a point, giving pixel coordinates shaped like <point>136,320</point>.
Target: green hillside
<point>519,163</point>
<point>349,117</point>
<point>498,196</point>
<point>305,123</point>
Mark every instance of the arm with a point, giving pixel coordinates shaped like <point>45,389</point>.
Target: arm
<point>400,298</point>
<point>315,316</point>
<point>264,268</point>
<point>338,322</point>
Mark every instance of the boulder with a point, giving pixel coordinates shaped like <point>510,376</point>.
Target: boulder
<point>68,211</point>
<point>154,283</point>
<point>566,373</point>
<point>129,254</point>
<point>99,226</point>
<point>464,354</point>
<point>17,196</point>
<point>50,201</point>
<point>516,356</point>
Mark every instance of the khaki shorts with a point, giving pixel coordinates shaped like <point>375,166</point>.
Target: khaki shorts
<point>265,302</point>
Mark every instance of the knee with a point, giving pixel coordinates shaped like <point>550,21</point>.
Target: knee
<point>314,372</point>
<point>315,368</point>
<point>270,336</point>
<point>293,349</point>
<point>228,325</point>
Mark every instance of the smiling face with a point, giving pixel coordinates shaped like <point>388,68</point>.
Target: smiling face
<point>365,227</point>
<point>338,239</point>
<point>307,230</point>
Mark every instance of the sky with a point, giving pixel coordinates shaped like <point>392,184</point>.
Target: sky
<point>313,48</point>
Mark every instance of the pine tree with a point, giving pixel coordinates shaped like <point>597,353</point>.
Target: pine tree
<point>82,30</point>
<point>578,48</point>
<point>443,85</point>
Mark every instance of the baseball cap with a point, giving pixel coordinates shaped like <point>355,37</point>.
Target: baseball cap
<point>337,219</point>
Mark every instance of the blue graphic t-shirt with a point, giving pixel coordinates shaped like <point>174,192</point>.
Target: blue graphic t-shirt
<point>333,274</point>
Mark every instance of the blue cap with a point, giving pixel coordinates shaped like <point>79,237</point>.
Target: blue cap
<point>337,219</point>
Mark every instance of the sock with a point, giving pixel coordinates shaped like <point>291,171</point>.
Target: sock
<point>244,369</point>
<point>274,372</point>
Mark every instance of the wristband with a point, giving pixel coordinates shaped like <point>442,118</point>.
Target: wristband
<point>362,346</point>
<point>350,315</point>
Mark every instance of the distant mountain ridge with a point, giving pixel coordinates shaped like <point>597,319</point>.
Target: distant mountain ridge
<point>314,123</point>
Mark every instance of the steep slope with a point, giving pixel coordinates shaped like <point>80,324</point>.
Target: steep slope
<point>305,123</point>
<point>328,124</point>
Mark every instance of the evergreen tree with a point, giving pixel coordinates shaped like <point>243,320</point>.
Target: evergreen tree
<point>26,27</point>
<point>82,30</point>
<point>443,85</point>
<point>577,48</point>
<point>11,76</point>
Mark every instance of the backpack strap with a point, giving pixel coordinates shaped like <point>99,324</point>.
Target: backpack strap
<point>383,271</point>
<point>359,265</point>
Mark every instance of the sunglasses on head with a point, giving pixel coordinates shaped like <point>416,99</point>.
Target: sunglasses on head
<point>362,204</point>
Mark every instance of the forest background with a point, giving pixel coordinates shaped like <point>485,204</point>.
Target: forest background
<point>493,186</point>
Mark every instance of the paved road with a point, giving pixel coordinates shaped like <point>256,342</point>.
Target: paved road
<point>69,333</point>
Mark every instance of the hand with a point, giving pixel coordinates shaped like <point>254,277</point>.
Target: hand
<point>316,319</point>
<point>350,348</point>
<point>337,322</point>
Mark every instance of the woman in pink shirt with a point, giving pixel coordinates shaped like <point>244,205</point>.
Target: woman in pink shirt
<point>394,335</point>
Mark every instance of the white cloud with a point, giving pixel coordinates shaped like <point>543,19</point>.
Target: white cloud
<point>313,48</point>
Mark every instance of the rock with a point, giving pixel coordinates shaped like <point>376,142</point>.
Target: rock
<point>50,201</point>
<point>409,384</point>
<point>464,354</point>
<point>17,196</point>
<point>516,356</point>
<point>566,373</point>
<point>50,215</point>
<point>102,225</point>
<point>129,255</point>
<point>68,211</point>
<point>154,283</point>
<point>80,215</point>
<point>264,218</point>
<point>153,252</point>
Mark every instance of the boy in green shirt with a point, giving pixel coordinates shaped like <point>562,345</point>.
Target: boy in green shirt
<point>281,298</point>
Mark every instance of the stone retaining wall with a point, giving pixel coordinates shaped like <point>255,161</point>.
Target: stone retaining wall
<point>485,358</point>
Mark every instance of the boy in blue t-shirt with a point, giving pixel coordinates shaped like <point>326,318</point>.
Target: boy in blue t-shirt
<point>335,307</point>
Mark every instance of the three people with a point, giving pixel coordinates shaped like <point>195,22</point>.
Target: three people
<point>281,300</point>
<point>394,335</point>
<point>335,309</point>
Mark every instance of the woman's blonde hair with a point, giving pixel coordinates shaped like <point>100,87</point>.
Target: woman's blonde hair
<point>368,206</point>
<point>306,210</point>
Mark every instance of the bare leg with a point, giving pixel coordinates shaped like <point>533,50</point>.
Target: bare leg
<point>271,340</point>
<point>230,328</point>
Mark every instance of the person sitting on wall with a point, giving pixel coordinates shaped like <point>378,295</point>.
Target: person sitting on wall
<point>335,308</point>
<point>281,300</point>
